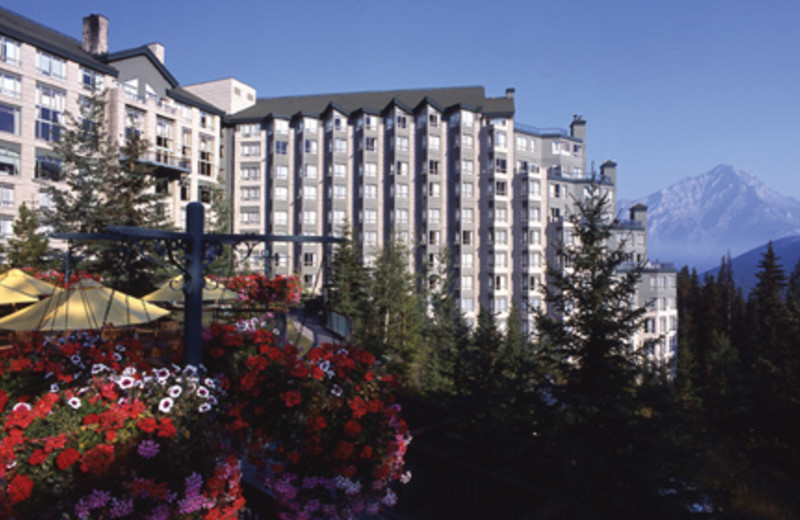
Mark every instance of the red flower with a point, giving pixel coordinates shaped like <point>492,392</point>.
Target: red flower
<point>147,424</point>
<point>359,407</point>
<point>67,458</point>
<point>37,457</point>
<point>352,428</point>
<point>343,450</point>
<point>97,460</point>
<point>3,399</point>
<point>366,453</point>
<point>19,488</point>
<point>291,398</point>
<point>166,428</point>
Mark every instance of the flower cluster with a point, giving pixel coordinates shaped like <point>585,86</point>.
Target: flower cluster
<point>108,440</point>
<point>325,434</point>
<point>58,278</point>
<point>258,291</point>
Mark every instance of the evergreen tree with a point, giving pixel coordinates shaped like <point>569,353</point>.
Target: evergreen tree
<point>611,438</point>
<point>98,190</point>
<point>349,279</point>
<point>28,247</point>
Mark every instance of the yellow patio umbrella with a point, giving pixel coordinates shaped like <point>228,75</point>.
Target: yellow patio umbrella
<point>9,296</point>
<point>21,281</point>
<point>172,291</point>
<point>86,305</point>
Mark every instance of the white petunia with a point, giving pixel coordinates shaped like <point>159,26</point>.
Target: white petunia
<point>97,368</point>
<point>203,392</point>
<point>126,382</point>
<point>74,402</point>
<point>54,388</point>
<point>22,406</point>
<point>129,371</point>
<point>203,408</point>
<point>174,391</point>
<point>166,405</point>
<point>76,359</point>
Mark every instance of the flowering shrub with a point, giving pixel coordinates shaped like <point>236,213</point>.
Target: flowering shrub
<point>58,278</point>
<point>325,433</point>
<point>279,293</point>
<point>111,441</point>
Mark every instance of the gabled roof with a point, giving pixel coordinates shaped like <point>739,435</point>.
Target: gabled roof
<point>147,53</point>
<point>375,102</point>
<point>23,29</point>
<point>184,96</point>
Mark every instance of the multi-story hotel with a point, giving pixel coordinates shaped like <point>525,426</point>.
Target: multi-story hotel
<point>443,171</point>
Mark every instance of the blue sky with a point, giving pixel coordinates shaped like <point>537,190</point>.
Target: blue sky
<point>668,88</point>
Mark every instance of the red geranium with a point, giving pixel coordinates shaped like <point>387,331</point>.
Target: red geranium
<point>67,458</point>
<point>291,398</point>
<point>97,460</point>
<point>19,488</point>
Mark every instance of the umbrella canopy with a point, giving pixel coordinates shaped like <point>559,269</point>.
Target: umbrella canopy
<point>21,281</point>
<point>9,295</point>
<point>86,305</point>
<point>172,291</point>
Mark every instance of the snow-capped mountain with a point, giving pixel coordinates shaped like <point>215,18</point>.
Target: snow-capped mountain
<point>697,220</point>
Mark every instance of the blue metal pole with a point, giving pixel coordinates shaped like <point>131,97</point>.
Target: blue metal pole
<point>193,286</point>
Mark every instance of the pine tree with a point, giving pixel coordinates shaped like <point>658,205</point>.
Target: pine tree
<point>98,190</point>
<point>349,279</point>
<point>610,437</point>
<point>28,247</point>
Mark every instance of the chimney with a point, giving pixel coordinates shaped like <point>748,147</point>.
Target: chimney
<point>608,171</point>
<point>577,128</point>
<point>95,34</point>
<point>158,50</point>
<point>639,214</point>
<point>510,92</point>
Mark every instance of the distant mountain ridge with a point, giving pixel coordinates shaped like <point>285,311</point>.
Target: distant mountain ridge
<point>745,266</point>
<point>698,219</point>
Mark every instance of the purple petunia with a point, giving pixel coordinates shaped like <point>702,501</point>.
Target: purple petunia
<point>148,449</point>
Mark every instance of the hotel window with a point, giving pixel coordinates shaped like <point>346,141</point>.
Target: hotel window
<point>467,167</point>
<point>45,201</point>
<point>308,259</point>
<point>370,191</point>
<point>339,145</point>
<point>371,169</point>
<point>402,121</point>
<point>251,130</point>
<point>281,193</point>
<point>466,260</point>
<point>185,111</point>
<point>163,140</point>
<point>534,188</point>
<point>467,304</point>
<point>467,141</point>
<point>280,218</point>
<point>49,107</point>
<point>6,227</point>
<point>47,167</point>
<point>500,188</point>
<point>340,170</point>
<point>10,118</point>
<point>433,237</point>
<point>501,165</point>
<point>466,283</point>
<point>435,142</point>
<point>466,189</point>
<point>91,80</point>
<point>535,237</point>
<point>402,168</point>
<point>9,50</point>
<point>6,195</point>
<point>402,216</point>
<point>9,159</point>
<point>468,215</point>
<point>499,304</point>
<point>281,147</point>
<point>466,238</point>
<point>310,146</point>
<point>339,217</point>
<point>282,126</point>
<point>402,190</point>
<point>435,189</point>
<point>370,216</point>
<point>402,144</point>
<point>370,122</point>
<point>522,144</point>
<point>134,122</point>
<point>500,236</point>
<point>339,191</point>
<point>309,192</point>
<point>10,84</point>
<point>310,218</point>
<point>250,216</point>
<point>50,65</point>
<point>311,171</point>
<point>370,238</point>
<point>433,167</point>
<point>204,162</point>
<point>501,139</point>
<point>500,214</point>
<point>434,215</point>
<point>184,191</point>
<point>311,125</point>
<point>204,193</point>
<point>251,193</point>
<point>433,119</point>
<point>251,173</point>
<point>370,144</point>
